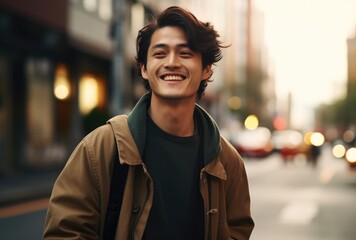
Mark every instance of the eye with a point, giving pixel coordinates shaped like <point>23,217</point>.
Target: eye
<point>186,53</point>
<point>159,54</point>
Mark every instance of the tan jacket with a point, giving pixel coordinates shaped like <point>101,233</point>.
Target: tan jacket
<point>79,200</point>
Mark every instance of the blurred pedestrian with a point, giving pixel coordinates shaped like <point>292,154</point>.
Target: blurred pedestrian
<point>314,153</point>
<point>184,180</point>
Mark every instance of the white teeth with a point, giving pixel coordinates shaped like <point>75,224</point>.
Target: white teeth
<point>172,78</point>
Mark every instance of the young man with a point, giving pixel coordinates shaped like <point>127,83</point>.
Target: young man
<point>184,180</point>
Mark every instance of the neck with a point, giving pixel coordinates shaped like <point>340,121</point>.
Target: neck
<point>173,117</point>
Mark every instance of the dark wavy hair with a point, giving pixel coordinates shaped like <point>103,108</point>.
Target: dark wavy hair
<point>201,38</point>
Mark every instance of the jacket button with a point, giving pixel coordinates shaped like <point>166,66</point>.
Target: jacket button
<point>135,208</point>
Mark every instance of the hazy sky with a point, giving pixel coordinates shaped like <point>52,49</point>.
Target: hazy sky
<point>306,40</point>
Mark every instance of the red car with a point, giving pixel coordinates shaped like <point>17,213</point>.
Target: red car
<point>288,143</point>
<point>253,143</point>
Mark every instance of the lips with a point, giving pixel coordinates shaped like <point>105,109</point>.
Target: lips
<point>172,77</point>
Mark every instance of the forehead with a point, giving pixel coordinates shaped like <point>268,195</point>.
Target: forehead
<point>169,35</point>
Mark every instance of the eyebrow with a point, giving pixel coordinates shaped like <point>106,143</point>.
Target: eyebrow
<point>163,45</point>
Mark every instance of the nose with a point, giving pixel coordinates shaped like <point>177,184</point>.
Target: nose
<point>172,61</point>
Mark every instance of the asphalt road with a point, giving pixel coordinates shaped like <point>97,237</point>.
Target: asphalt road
<point>296,201</point>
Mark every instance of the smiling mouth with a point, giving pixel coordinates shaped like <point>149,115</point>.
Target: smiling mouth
<point>173,77</point>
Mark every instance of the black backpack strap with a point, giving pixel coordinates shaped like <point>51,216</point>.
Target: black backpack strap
<point>118,180</point>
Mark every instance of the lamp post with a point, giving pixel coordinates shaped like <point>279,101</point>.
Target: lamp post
<point>119,65</point>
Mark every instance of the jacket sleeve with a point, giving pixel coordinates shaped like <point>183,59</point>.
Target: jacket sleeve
<point>74,206</point>
<point>240,223</point>
<point>239,216</point>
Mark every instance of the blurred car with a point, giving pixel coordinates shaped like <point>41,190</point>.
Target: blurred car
<point>288,143</point>
<point>253,143</point>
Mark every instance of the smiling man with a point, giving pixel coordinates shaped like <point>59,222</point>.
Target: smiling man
<point>173,69</point>
<point>184,180</point>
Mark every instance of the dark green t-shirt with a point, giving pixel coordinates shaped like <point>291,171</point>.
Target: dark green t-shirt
<point>174,163</point>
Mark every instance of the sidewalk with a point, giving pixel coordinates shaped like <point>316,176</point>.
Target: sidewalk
<point>21,186</point>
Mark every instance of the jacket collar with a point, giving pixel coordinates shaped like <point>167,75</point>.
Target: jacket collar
<point>137,121</point>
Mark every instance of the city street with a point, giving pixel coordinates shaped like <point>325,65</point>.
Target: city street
<point>275,78</point>
<point>294,201</point>
<point>289,201</point>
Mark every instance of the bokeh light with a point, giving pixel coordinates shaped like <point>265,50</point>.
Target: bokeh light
<point>338,151</point>
<point>61,83</point>
<point>279,123</point>
<point>88,94</point>
<point>348,136</point>
<point>351,155</point>
<point>234,103</point>
<point>317,139</point>
<point>251,122</point>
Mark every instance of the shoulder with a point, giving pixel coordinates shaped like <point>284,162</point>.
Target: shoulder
<point>99,137</point>
<point>228,151</point>
<point>106,133</point>
<point>230,158</point>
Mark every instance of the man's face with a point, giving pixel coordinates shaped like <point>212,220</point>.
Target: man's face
<point>173,70</point>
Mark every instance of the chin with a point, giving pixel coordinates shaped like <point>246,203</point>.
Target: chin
<point>174,96</point>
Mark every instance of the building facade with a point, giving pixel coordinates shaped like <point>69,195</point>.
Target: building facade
<point>52,54</point>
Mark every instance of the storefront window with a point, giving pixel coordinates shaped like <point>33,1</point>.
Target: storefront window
<point>40,101</point>
<point>42,147</point>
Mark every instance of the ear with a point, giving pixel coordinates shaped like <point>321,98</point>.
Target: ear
<point>143,71</point>
<point>207,72</point>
